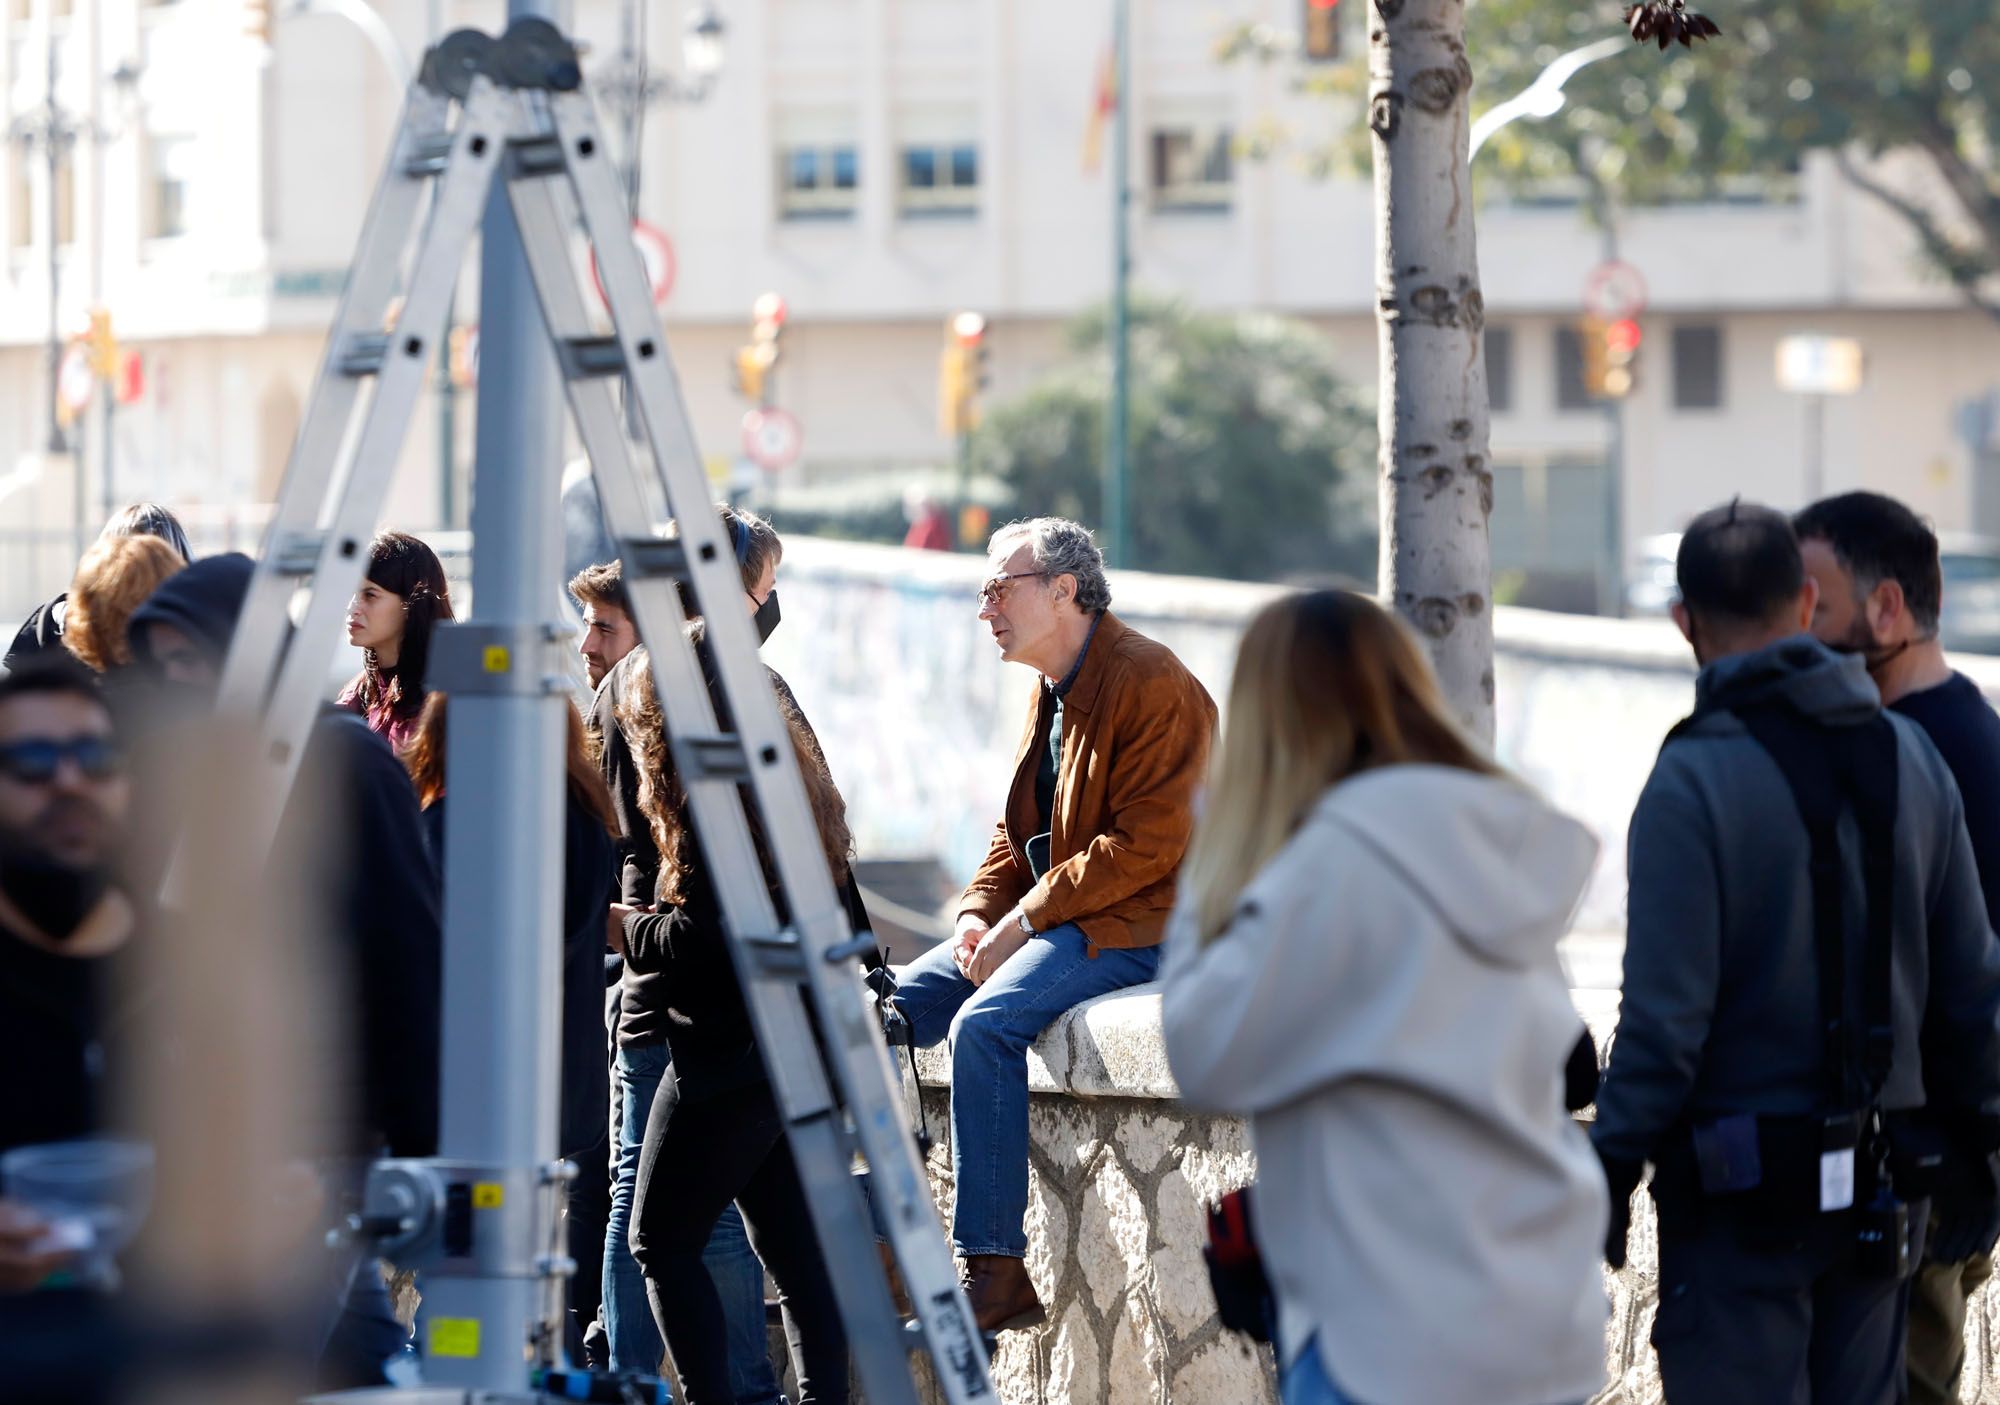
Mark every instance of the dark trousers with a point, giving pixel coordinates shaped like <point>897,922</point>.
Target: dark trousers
<point>1740,1324</point>
<point>586,1210</point>
<point>699,1156</point>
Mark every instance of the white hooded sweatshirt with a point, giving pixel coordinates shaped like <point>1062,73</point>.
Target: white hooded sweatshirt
<point>1387,1008</point>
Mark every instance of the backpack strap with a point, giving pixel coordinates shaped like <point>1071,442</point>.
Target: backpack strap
<point>1829,770</point>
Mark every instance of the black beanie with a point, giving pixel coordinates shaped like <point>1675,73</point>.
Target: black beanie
<point>202,602</point>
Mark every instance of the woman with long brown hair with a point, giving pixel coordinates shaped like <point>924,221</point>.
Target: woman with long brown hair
<point>715,1135</point>
<point>1363,962</point>
<point>403,598</point>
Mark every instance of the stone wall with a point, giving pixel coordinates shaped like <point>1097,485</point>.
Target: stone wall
<point>1118,1174</point>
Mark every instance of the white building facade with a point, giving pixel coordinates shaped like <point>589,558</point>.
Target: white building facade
<point>883,164</point>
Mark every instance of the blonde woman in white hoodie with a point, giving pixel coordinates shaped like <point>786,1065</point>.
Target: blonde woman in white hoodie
<point>1363,962</point>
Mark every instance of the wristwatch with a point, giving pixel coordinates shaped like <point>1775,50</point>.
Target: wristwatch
<point>1023,920</point>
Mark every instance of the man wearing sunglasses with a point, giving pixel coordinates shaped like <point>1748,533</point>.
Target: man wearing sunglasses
<point>63,806</point>
<point>1073,896</point>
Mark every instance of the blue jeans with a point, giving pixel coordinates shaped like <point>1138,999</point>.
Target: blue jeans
<point>1305,1381</point>
<point>734,1269</point>
<point>991,1027</point>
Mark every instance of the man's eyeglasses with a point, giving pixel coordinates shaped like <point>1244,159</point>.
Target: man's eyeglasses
<point>36,760</point>
<point>995,590</point>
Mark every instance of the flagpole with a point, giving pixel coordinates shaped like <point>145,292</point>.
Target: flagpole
<point>1116,527</point>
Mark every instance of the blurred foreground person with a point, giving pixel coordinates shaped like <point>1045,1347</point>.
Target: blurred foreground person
<point>1881,590</point>
<point>1363,961</point>
<point>404,597</point>
<point>1803,905</point>
<point>43,630</point>
<point>376,881</point>
<point>64,801</point>
<point>1073,895</point>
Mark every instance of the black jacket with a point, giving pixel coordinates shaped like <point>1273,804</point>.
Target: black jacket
<point>587,892</point>
<point>39,632</point>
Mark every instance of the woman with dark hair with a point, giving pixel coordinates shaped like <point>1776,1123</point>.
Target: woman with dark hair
<point>390,620</point>
<point>588,831</point>
<point>1363,962</point>
<point>715,1135</point>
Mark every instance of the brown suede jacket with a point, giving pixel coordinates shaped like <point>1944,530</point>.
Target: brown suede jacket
<point>1136,731</point>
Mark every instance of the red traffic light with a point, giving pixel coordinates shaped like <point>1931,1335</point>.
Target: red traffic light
<point>1321,4</point>
<point>968,328</point>
<point>770,308</point>
<point>1621,338</point>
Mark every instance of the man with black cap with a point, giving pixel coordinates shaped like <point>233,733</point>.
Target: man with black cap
<point>383,895</point>
<point>1803,904</point>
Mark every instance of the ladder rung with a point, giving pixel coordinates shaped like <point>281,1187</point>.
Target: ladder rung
<point>779,953</point>
<point>657,556</point>
<point>297,553</point>
<point>715,759</point>
<point>430,156</point>
<point>537,156</point>
<point>592,356</point>
<point>364,354</point>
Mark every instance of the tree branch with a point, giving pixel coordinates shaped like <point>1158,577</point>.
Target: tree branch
<point>1981,202</point>
<point>1957,265</point>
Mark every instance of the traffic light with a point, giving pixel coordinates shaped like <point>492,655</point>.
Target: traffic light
<point>1320,31</point>
<point>758,358</point>
<point>101,346</point>
<point>1621,350</point>
<point>963,372</point>
<point>1610,350</point>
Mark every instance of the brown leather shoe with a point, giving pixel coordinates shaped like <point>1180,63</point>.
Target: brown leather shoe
<point>1002,1295</point>
<point>899,1296</point>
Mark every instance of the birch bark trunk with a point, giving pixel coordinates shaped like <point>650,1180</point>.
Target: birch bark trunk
<point>1437,487</point>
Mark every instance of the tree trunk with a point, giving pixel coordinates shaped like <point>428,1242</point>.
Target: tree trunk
<point>1437,489</point>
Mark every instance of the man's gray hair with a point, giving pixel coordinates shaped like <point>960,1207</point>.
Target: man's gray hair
<point>1060,548</point>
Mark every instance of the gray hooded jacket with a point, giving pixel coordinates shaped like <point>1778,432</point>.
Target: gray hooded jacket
<point>1720,1008</point>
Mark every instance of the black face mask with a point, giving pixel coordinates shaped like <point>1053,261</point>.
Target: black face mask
<point>767,616</point>
<point>52,895</point>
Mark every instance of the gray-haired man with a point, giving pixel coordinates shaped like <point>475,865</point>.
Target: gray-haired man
<point>1074,893</point>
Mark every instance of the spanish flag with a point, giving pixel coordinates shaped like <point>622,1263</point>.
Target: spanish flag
<point>1102,107</point>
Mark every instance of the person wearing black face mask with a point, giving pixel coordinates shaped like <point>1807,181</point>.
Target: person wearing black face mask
<point>64,800</point>
<point>1881,590</point>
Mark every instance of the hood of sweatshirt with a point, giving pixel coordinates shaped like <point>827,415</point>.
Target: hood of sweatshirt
<point>1833,688</point>
<point>1504,868</point>
<point>202,602</point>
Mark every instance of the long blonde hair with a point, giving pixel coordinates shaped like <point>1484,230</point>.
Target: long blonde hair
<point>1328,684</point>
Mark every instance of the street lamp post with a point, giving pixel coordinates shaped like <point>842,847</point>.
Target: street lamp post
<point>629,86</point>
<point>1541,99</point>
<point>55,132</point>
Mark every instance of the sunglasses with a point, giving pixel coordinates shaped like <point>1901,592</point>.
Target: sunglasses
<point>995,590</point>
<point>36,760</point>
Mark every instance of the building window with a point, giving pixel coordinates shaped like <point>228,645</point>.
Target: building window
<point>940,180</point>
<point>1500,369</point>
<point>1698,367</point>
<point>1192,168</point>
<point>818,182</point>
<point>170,175</point>
<point>1571,393</point>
